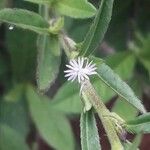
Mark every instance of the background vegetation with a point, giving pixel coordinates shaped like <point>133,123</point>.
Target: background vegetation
<point>29,121</point>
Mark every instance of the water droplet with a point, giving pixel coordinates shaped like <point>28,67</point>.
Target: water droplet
<point>11,27</point>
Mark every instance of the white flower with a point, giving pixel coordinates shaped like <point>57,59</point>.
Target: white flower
<point>80,69</point>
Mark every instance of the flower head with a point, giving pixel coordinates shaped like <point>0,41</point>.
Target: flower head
<point>80,69</point>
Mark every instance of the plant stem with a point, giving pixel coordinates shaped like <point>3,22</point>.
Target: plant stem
<point>88,90</point>
<point>44,12</point>
<point>102,111</point>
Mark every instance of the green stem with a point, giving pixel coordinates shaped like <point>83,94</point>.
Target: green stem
<point>88,90</point>
<point>102,111</point>
<point>44,11</point>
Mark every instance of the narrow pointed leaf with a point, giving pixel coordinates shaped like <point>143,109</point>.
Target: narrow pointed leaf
<point>139,128</point>
<point>140,125</point>
<point>141,119</point>
<point>89,132</point>
<point>98,28</point>
<point>75,8</point>
<point>24,19</point>
<point>52,126</point>
<point>49,57</point>
<point>111,79</point>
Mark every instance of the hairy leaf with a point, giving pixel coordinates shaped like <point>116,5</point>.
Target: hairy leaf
<point>75,8</point>
<point>89,132</point>
<point>107,75</point>
<point>24,19</point>
<point>49,57</point>
<point>98,28</point>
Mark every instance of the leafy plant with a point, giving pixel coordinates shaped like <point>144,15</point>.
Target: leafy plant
<point>45,30</point>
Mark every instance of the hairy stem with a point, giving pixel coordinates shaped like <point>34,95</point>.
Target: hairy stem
<point>102,111</point>
<point>88,90</point>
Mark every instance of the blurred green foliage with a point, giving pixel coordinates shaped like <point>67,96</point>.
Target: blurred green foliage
<point>125,48</point>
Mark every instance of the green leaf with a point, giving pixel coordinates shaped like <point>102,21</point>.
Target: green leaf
<point>89,132</point>
<point>15,116</point>
<point>111,79</point>
<point>15,93</point>
<point>53,126</point>
<point>57,26</point>
<point>139,128</point>
<point>10,139</point>
<point>103,91</point>
<point>5,66</point>
<point>49,57</point>
<point>124,109</point>
<point>22,50</point>
<point>98,28</point>
<point>141,50</point>
<point>146,64</point>
<point>67,99</point>
<point>75,8</point>
<point>78,28</point>
<point>46,2</point>
<point>120,106</point>
<point>24,19</point>
<point>141,119</point>
<point>140,125</point>
<point>122,63</point>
